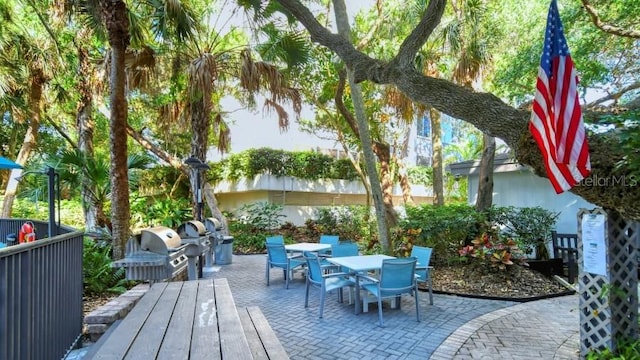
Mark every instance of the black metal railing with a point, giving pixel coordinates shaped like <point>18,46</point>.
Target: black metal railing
<point>40,293</point>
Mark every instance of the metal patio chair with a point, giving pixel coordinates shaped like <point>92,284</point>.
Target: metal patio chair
<point>423,270</point>
<point>397,277</point>
<point>277,257</point>
<point>325,282</point>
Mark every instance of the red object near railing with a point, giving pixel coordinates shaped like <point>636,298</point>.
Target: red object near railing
<point>27,233</point>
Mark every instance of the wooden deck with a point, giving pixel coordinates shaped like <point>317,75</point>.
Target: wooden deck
<point>189,320</point>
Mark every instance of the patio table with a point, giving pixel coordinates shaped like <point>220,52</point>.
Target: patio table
<point>360,264</point>
<point>302,247</point>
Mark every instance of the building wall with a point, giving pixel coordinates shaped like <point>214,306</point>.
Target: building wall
<point>301,198</point>
<point>525,189</point>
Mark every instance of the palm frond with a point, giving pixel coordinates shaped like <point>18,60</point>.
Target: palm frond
<point>91,18</point>
<point>172,17</point>
<point>140,67</point>
<point>283,116</point>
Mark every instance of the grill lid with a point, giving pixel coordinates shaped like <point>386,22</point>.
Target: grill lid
<point>213,224</point>
<point>192,228</point>
<point>159,240</point>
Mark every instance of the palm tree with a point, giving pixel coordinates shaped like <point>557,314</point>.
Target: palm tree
<point>76,167</point>
<point>26,62</point>
<point>167,21</point>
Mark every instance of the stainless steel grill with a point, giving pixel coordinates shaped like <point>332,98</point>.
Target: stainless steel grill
<point>156,254</point>
<point>213,227</point>
<point>219,241</point>
<point>194,235</point>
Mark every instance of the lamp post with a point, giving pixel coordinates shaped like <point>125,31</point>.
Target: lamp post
<point>197,166</point>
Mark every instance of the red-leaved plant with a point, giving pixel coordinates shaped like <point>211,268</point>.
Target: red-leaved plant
<point>492,248</point>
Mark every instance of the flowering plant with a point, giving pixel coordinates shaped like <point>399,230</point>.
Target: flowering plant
<point>497,251</point>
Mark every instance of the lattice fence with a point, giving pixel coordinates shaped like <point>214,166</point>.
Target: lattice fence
<point>609,303</point>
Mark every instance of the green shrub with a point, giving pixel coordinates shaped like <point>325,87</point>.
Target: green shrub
<point>625,350</point>
<point>70,211</point>
<point>252,224</point>
<point>494,249</point>
<point>247,239</point>
<point>348,222</point>
<point>530,226</point>
<point>262,215</point>
<point>98,275</point>
<point>151,211</point>
<point>444,228</point>
<point>302,164</point>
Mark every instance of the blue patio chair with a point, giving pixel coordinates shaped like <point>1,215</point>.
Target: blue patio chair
<point>397,277</point>
<point>275,239</point>
<point>277,257</point>
<point>344,249</point>
<point>326,282</point>
<point>328,239</point>
<point>423,274</point>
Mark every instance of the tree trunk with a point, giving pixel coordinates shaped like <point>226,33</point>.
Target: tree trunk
<point>438,170</point>
<point>212,203</point>
<point>86,127</point>
<point>383,152</point>
<point>199,143</point>
<point>344,30</point>
<point>403,177</point>
<point>484,199</point>
<point>30,138</point>
<point>117,24</point>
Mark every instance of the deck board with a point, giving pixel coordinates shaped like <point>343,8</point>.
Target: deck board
<point>190,320</point>
<point>233,342</point>
<point>119,342</point>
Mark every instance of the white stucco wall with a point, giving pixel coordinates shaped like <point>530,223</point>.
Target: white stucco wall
<point>525,189</point>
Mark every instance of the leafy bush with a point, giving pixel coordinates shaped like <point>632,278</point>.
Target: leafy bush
<point>99,277</point>
<point>247,239</point>
<point>262,215</point>
<point>490,247</point>
<point>305,165</point>
<point>70,211</point>
<point>444,228</point>
<point>147,211</point>
<point>625,349</point>
<point>531,226</point>
<point>253,224</point>
<point>348,222</point>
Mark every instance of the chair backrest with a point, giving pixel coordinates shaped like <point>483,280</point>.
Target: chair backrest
<point>397,275</point>
<point>329,239</point>
<point>314,270</point>
<point>276,239</point>
<point>277,254</point>
<point>423,254</point>
<point>344,249</point>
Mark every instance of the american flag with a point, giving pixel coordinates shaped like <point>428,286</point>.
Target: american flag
<point>556,120</point>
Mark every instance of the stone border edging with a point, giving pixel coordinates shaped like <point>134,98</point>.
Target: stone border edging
<point>450,346</point>
<point>98,321</point>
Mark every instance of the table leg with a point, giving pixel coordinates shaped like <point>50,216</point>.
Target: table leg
<point>357,309</point>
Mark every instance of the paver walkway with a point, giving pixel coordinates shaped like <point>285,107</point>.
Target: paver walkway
<point>453,328</point>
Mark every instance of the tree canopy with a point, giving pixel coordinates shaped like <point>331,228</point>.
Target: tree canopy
<point>612,182</point>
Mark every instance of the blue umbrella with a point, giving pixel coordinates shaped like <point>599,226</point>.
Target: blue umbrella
<point>8,164</point>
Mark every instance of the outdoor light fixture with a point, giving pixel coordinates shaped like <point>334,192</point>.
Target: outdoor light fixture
<point>197,166</point>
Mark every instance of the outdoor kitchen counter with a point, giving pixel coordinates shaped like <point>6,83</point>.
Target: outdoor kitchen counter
<point>179,320</point>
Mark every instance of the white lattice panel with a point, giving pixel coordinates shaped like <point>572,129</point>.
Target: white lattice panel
<point>609,304</point>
